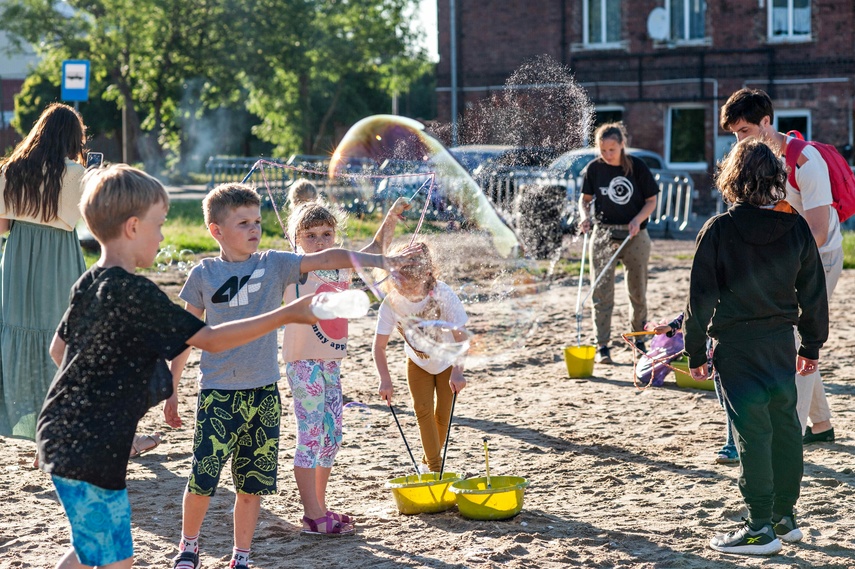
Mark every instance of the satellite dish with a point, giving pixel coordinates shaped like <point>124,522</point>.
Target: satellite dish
<point>657,24</point>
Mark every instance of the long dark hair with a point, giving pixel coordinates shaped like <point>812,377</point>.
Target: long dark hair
<point>34,170</point>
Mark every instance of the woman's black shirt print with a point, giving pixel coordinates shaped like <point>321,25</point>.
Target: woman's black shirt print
<point>618,197</point>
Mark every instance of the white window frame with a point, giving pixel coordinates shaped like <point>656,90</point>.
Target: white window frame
<point>684,165</point>
<point>684,37</point>
<point>789,36</point>
<point>586,36</point>
<point>796,113</point>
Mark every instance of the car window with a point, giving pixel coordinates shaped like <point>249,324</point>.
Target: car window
<point>573,162</point>
<point>651,161</point>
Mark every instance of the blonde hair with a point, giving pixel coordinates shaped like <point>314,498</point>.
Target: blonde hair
<point>226,198</point>
<point>616,131</point>
<point>751,173</point>
<point>114,194</point>
<point>312,214</point>
<point>302,191</point>
<point>419,264</point>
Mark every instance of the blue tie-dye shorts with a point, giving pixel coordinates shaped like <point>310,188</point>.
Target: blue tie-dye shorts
<point>100,521</point>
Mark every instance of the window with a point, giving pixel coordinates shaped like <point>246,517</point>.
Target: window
<point>788,120</point>
<point>789,19</point>
<point>605,114</point>
<point>687,19</point>
<point>601,21</point>
<point>685,131</point>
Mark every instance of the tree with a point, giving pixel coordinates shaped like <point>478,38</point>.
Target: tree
<point>300,65</point>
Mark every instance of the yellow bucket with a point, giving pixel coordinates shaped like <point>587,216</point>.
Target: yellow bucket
<point>684,380</point>
<point>504,499</point>
<point>580,360</point>
<point>423,494</point>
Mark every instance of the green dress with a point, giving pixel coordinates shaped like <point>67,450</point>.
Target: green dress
<point>39,266</point>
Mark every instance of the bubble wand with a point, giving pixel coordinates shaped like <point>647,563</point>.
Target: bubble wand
<point>487,462</point>
<point>447,435</point>
<point>400,430</point>
<point>579,293</point>
<point>606,266</point>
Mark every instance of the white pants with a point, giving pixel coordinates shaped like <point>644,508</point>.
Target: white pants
<point>812,403</point>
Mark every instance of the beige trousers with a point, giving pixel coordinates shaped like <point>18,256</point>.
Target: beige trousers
<point>812,403</point>
<point>432,414</point>
<point>634,257</point>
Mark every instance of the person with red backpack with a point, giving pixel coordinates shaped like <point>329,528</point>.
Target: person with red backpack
<point>821,187</point>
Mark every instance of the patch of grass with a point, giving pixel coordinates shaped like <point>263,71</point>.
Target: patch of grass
<point>185,229</point>
<point>849,249</point>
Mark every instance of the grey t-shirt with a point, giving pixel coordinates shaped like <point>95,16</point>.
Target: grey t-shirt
<point>231,291</point>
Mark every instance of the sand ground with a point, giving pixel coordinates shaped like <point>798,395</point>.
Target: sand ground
<point>619,477</point>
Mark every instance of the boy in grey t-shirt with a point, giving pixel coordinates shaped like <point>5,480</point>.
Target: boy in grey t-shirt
<point>238,407</point>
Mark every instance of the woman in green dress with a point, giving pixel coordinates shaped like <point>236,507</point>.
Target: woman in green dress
<point>40,189</point>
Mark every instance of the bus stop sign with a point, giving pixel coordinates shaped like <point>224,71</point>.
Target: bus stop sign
<point>75,80</point>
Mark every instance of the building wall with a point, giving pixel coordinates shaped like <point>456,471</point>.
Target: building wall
<point>646,78</point>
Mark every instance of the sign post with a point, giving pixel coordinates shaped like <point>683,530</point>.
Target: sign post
<point>75,80</point>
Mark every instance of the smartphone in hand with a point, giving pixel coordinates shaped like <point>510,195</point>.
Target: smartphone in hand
<point>94,159</point>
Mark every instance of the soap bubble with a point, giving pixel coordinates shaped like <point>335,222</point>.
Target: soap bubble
<point>356,416</point>
<point>496,255</point>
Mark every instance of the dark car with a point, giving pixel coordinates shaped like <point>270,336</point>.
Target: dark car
<point>477,158</point>
<point>573,162</point>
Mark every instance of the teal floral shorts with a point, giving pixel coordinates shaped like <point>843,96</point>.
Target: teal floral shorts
<point>100,521</point>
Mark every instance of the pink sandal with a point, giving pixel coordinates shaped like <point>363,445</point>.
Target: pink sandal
<point>332,527</point>
<point>343,518</point>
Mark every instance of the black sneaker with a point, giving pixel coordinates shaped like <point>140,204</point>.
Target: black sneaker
<point>639,345</point>
<point>603,356</point>
<point>787,530</point>
<point>746,541</point>
<point>823,437</point>
<point>185,560</point>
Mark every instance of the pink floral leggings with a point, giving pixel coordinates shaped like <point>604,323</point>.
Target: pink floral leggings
<point>316,387</point>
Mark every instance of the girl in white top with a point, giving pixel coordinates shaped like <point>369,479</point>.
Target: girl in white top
<point>428,314</point>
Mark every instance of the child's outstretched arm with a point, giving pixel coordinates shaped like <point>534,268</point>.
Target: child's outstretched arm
<point>378,350</point>
<point>347,259</point>
<point>239,332</point>
<point>386,231</point>
<point>176,366</point>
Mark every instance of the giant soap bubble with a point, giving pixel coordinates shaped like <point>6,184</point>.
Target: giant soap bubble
<point>472,240</point>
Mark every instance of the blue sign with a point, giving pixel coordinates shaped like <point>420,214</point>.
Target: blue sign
<point>75,80</point>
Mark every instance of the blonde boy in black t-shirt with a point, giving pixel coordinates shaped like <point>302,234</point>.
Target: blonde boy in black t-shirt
<point>111,348</point>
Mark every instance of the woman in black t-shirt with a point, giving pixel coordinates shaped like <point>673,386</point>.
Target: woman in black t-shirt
<point>623,192</point>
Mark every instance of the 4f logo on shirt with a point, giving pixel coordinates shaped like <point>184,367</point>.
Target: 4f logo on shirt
<point>236,291</point>
<point>619,190</point>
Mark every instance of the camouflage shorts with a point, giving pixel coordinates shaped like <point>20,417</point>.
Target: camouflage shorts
<point>241,424</point>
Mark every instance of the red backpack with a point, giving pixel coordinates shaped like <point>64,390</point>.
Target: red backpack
<point>839,173</point>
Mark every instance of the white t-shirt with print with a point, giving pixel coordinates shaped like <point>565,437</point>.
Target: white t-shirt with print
<point>451,310</point>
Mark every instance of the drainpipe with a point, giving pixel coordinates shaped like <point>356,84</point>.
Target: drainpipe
<point>453,48</point>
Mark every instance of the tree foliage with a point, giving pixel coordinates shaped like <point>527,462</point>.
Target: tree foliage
<point>301,67</point>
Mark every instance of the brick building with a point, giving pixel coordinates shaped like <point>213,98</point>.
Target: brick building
<point>14,67</point>
<point>667,90</point>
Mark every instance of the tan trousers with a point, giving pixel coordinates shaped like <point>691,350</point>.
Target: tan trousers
<point>812,402</point>
<point>432,416</point>
<point>634,257</point>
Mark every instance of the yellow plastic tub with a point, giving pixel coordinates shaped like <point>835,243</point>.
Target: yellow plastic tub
<point>684,380</point>
<point>503,500</point>
<point>580,360</point>
<point>423,494</point>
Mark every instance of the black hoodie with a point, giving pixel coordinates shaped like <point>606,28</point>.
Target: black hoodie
<point>756,272</point>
